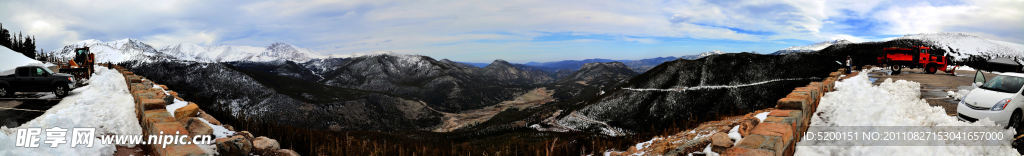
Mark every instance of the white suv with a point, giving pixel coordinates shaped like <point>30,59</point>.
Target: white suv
<point>999,99</point>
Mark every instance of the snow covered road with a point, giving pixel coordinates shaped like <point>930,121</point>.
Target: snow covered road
<point>856,102</point>
<point>105,104</point>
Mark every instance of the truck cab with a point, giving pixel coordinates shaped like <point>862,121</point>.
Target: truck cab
<point>36,79</point>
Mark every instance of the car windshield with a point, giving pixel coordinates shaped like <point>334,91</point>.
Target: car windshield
<point>1003,83</point>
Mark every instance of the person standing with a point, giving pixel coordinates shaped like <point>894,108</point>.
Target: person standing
<point>849,64</point>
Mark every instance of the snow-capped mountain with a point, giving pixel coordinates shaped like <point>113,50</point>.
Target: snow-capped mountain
<point>114,51</point>
<point>702,55</point>
<point>812,47</point>
<point>135,50</point>
<point>964,45</point>
<point>223,53</point>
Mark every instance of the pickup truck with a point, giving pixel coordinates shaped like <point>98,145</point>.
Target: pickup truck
<point>36,79</point>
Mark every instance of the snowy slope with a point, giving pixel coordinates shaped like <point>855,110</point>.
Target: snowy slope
<point>105,104</point>
<point>856,102</point>
<point>964,44</point>
<point>9,59</point>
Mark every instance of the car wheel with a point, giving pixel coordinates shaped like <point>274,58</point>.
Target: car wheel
<point>61,91</point>
<point>1015,121</point>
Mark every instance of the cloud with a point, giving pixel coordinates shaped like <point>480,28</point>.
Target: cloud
<point>471,27</point>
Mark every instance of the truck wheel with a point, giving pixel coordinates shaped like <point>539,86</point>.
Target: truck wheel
<point>6,92</point>
<point>61,91</point>
<point>931,69</point>
<point>896,69</point>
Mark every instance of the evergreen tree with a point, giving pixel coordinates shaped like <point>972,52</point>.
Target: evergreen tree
<point>29,47</point>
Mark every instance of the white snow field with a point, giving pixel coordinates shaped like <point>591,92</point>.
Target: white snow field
<point>9,59</point>
<point>968,44</point>
<point>856,102</point>
<point>105,104</point>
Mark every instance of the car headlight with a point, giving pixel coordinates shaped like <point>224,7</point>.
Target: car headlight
<point>1001,104</point>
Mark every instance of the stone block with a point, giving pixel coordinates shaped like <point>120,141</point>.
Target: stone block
<point>782,137</point>
<point>151,103</point>
<point>268,146</point>
<point>183,113</point>
<point>740,151</point>
<point>179,150</point>
<point>236,145</point>
<point>719,142</point>
<point>746,125</point>
<point>287,152</point>
<point>197,127</point>
<point>208,118</point>
<point>794,102</point>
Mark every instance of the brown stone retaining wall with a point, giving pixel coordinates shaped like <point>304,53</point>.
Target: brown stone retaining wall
<point>150,107</point>
<point>785,125</point>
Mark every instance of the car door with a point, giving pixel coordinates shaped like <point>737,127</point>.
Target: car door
<point>21,80</point>
<point>39,82</point>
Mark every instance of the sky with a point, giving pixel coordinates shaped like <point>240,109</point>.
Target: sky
<point>513,30</point>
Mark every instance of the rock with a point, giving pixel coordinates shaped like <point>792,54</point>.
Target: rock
<point>748,124</point>
<point>197,127</point>
<point>266,146</point>
<point>720,142</point>
<point>184,113</point>
<point>286,152</point>
<point>246,134</point>
<point>236,145</point>
<point>208,118</point>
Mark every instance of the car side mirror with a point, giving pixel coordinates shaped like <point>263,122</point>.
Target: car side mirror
<point>979,78</point>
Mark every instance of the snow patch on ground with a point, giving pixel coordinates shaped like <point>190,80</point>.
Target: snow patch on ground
<point>856,102</point>
<point>734,134</point>
<point>218,131</point>
<point>105,104</point>
<point>761,116</point>
<point>174,106</point>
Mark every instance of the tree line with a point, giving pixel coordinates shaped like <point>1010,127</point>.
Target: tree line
<point>23,44</point>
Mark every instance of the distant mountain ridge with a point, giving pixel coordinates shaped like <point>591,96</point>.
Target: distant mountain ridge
<point>639,66</point>
<point>134,50</point>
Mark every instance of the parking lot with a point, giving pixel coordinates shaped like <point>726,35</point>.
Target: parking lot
<point>935,87</point>
<point>19,109</point>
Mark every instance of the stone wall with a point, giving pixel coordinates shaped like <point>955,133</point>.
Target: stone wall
<point>151,107</point>
<point>785,125</point>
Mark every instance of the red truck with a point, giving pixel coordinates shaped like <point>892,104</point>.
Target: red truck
<point>898,58</point>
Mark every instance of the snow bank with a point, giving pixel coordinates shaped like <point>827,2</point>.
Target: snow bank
<point>105,104</point>
<point>10,59</point>
<point>858,103</point>
<point>968,44</point>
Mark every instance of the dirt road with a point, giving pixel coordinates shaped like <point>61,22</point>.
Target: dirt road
<point>934,87</point>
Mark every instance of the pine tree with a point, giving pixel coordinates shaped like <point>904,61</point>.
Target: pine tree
<point>29,47</point>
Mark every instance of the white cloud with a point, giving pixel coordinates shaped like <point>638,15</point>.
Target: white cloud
<point>199,38</point>
<point>428,27</point>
